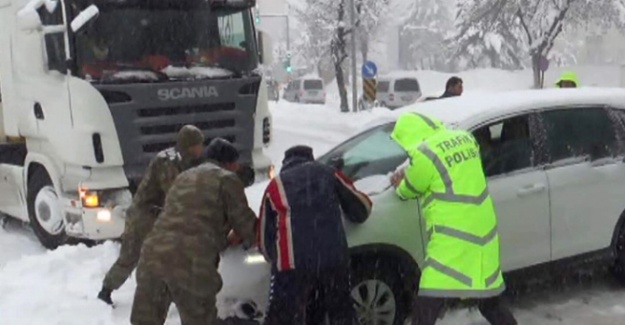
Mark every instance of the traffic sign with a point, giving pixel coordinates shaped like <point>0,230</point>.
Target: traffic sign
<point>369,70</point>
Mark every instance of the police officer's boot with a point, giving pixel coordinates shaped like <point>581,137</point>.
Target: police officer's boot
<point>105,295</point>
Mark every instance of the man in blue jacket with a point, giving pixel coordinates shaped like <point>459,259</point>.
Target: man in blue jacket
<point>301,234</point>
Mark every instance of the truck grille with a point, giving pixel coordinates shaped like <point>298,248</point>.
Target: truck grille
<point>146,125</point>
<point>172,119</point>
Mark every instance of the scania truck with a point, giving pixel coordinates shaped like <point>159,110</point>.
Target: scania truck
<point>91,90</point>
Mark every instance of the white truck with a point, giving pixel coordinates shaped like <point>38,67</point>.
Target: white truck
<point>91,90</point>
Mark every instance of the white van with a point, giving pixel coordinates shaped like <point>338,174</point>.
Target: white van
<point>305,90</point>
<point>397,92</point>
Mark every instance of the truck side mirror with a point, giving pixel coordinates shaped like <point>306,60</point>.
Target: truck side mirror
<point>265,48</point>
<point>28,19</point>
<point>84,17</point>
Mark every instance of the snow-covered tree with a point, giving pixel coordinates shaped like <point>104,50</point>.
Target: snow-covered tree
<point>486,36</point>
<point>326,33</point>
<point>424,32</point>
<point>517,33</point>
<point>371,15</point>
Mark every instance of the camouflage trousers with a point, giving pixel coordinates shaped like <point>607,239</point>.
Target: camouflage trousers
<point>154,295</point>
<point>135,232</point>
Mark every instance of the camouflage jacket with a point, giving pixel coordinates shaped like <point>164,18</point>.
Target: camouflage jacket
<point>160,174</point>
<point>203,205</point>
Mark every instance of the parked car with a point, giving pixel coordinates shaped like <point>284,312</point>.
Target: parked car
<point>306,90</point>
<point>397,92</point>
<point>555,166</point>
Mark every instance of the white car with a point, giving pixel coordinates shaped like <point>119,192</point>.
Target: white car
<point>555,166</point>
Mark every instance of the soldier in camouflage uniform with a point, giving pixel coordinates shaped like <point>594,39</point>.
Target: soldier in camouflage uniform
<point>148,201</point>
<point>180,258</point>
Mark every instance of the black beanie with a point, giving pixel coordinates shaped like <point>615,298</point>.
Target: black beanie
<point>221,151</point>
<point>299,151</point>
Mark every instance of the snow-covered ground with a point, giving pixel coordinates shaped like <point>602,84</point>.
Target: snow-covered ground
<point>39,287</point>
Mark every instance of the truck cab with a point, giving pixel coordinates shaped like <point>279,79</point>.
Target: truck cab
<point>92,90</point>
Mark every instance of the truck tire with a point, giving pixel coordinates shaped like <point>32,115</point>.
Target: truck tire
<point>44,212</point>
<point>383,279</point>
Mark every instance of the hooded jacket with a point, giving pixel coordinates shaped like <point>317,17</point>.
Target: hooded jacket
<point>300,224</point>
<point>568,76</point>
<point>446,173</point>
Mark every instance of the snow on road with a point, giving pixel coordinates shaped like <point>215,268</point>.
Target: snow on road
<point>39,287</point>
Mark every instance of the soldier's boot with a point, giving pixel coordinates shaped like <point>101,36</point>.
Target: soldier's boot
<point>105,295</point>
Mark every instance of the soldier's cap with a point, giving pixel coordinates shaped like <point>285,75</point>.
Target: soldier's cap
<point>301,151</point>
<point>189,136</point>
<point>221,151</point>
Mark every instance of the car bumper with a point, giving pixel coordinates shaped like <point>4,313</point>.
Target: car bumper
<point>246,277</point>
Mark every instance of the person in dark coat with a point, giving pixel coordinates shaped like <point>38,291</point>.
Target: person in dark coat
<point>453,88</point>
<point>301,234</point>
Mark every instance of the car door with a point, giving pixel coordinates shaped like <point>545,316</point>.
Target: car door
<point>586,183</point>
<point>519,189</point>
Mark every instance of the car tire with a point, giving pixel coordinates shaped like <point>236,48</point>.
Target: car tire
<point>618,268</point>
<point>384,279</point>
<point>44,213</point>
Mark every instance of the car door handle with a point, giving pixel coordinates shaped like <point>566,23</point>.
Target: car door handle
<point>534,188</point>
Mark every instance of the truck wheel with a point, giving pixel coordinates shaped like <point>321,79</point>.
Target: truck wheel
<point>44,212</point>
<point>378,293</point>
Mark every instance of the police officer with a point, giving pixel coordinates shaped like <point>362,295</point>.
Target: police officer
<point>147,202</point>
<point>568,79</point>
<point>180,257</point>
<point>462,259</point>
<point>301,233</point>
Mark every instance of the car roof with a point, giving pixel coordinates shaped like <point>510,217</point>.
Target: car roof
<point>458,110</point>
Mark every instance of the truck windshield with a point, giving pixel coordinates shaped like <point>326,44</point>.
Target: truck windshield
<point>152,41</point>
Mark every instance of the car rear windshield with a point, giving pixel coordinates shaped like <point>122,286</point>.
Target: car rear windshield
<point>313,84</point>
<point>406,85</point>
<point>383,86</point>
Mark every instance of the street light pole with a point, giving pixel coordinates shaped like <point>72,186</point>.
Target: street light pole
<point>352,8</point>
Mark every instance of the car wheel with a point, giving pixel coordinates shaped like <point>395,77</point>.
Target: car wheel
<point>618,269</point>
<point>378,293</point>
<point>44,210</point>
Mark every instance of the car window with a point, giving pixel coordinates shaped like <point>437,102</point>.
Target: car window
<point>383,86</point>
<point>579,132</point>
<point>406,85</point>
<point>313,84</point>
<point>370,153</point>
<point>505,146</point>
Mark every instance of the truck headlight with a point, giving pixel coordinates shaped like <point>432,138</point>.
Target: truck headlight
<point>104,215</point>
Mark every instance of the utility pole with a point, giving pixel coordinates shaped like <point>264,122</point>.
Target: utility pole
<point>352,7</point>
